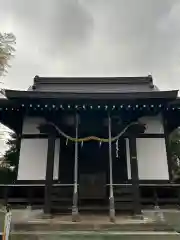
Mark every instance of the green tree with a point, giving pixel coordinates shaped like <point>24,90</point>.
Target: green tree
<point>7,43</point>
<point>9,162</point>
<point>175,153</point>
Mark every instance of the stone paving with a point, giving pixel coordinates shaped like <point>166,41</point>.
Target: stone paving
<point>33,226</point>
<point>35,221</point>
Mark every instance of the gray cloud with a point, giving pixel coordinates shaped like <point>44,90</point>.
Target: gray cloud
<point>94,38</point>
<point>56,26</point>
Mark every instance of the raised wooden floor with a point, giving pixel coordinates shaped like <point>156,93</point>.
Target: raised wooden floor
<point>151,195</point>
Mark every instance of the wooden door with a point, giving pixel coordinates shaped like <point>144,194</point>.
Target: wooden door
<point>92,186</point>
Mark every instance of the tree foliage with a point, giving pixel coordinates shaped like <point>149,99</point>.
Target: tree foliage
<point>7,43</point>
<point>175,153</point>
<point>9,163</point>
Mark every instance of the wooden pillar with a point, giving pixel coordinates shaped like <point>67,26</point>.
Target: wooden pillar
<point>75,213</point>
<point>134,176</point>
<point>5,194</point>
<point>111,193</point>
<point>49,173</point>
<point>168,153</point>
<point>30,195</point>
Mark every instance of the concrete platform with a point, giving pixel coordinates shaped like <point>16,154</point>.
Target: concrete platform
<point>31,225</point>
<point>89,223</point>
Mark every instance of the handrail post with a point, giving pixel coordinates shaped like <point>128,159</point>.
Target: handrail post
<point>111,193</point>
<point>75,213</point>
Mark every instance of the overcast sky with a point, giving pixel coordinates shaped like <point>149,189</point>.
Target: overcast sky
<point>93,38</point>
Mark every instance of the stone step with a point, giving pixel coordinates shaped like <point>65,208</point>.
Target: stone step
<point>63,207</point>
<point>61,199</point>
<point>90,226</point>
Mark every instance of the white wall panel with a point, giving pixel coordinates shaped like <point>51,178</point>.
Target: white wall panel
<point>153,124</point>
<point>152,159</point>
<point>30,125</point>
<point>33,159</point>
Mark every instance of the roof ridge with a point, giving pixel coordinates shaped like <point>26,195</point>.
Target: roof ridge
<point>93,80</point>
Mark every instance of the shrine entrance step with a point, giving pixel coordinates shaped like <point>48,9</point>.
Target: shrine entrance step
<point>96,206</point>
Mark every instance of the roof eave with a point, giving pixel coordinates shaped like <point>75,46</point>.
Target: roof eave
<point>13,94</point>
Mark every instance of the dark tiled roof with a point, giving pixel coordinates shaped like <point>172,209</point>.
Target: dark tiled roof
<point>94,84</point>
<point>12,94</point>
<point>93,80</point>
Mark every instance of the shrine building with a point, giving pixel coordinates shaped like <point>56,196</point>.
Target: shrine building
<point>92,144</point>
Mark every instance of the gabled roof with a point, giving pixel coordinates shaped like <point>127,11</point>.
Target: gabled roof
<point>94,84</point>
<point>103,89</point>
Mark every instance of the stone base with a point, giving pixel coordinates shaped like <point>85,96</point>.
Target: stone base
<point>112,217</point>
<point>138,216</point>
<point>75,217</point>
<point>47,216</point>
<point>90,223</point>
